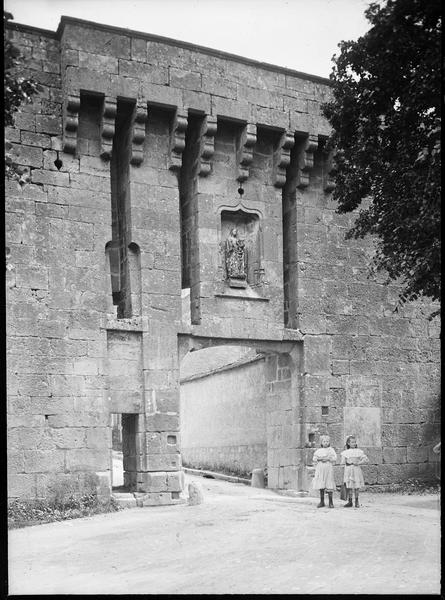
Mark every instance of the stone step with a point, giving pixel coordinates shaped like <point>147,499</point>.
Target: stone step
<point>125,499</point>
<point>136,499</point>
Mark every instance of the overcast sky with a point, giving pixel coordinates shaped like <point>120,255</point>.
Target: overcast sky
<point>299,34</point>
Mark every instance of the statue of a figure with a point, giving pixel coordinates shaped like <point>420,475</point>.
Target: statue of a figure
<point>235,255</point>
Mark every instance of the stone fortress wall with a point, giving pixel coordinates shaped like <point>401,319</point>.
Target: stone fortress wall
<point>144,154</point>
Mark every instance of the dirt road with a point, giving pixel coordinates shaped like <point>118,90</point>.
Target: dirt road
<point>240,540</point>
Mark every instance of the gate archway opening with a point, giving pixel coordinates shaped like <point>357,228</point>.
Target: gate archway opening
<point>240,408</point>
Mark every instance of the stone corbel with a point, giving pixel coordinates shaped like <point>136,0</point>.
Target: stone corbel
<point>177,140</point>
<point>71,123</point>
<point>138,125</point>
<point>208,132</point>
<point>306,160</point>
<point>282,158</point>
<point>244,153</point>
<point>330,168</point>
<point>107,126</point>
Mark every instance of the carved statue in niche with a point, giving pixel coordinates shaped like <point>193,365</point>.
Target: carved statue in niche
<point>236,259</point>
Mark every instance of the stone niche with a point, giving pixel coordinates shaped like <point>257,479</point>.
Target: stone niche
<point>241,252</point>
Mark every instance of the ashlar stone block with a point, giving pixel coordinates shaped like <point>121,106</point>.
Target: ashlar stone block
<point>89,39</point>
<point>152,482</point>
<point>163,462</point>
<point>38,461</point>
<point>162,422</point>
<point>84,459</point>
<point>175,481</point>
<point>21,485</point>
<point>156,499</point>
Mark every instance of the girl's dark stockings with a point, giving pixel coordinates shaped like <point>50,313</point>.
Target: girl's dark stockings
<point>321,503</point>
<point>349,502</point>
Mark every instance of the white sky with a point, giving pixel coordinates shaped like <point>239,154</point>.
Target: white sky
<point>299,34</point>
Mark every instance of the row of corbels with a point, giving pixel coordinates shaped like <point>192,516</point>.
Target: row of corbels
<point>107,128</point>
<point>307,143</point>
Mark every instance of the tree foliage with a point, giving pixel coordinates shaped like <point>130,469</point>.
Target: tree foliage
<point>18,90</point>
<point>385,114</point>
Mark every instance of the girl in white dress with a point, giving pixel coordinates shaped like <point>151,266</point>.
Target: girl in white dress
<point>352,457</point>
<point>324,458</point>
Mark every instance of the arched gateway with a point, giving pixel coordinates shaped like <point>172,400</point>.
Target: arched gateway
<point>179,199</point>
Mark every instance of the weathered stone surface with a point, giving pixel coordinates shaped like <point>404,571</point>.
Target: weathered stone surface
<point>152,482</point>
<point>417,455</point>
<point>48,124</point>
<point>21,485</point>
<point>91,40</point>
<point>27,155</point>
<point>156,499</point>
<point>86,460</point>
<point>175,481</point>
<point>38,461</point>
<point>98,437</point>
<point>196,495</point>
<point>98,62</point>
<point>317,355</point>
<point>257,478</point>
<point>91,332</point>
<point>394,455</point>
<point>125,500</point>
<point>163,422</point>
<point>163,462</point>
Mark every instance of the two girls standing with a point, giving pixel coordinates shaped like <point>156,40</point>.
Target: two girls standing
<point>325,458</point>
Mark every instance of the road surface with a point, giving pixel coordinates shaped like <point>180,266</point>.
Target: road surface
<point>240,540</point>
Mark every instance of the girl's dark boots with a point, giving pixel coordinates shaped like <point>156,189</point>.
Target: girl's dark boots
<point>357,505</point>
<point>321,503</point>
<point>331,504</point>
<point>348,503</point>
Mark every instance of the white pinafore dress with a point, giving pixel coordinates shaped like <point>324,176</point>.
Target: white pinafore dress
<point>324,471</point>
<point>353,475</point>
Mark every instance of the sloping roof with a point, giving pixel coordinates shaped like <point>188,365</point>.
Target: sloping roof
<point>212,360</point>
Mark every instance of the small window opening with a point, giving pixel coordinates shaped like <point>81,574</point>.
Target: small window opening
<point>325,410</point>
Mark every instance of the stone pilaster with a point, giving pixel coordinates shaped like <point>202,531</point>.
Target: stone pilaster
<point>285,465</point>
<point>155,220</point>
